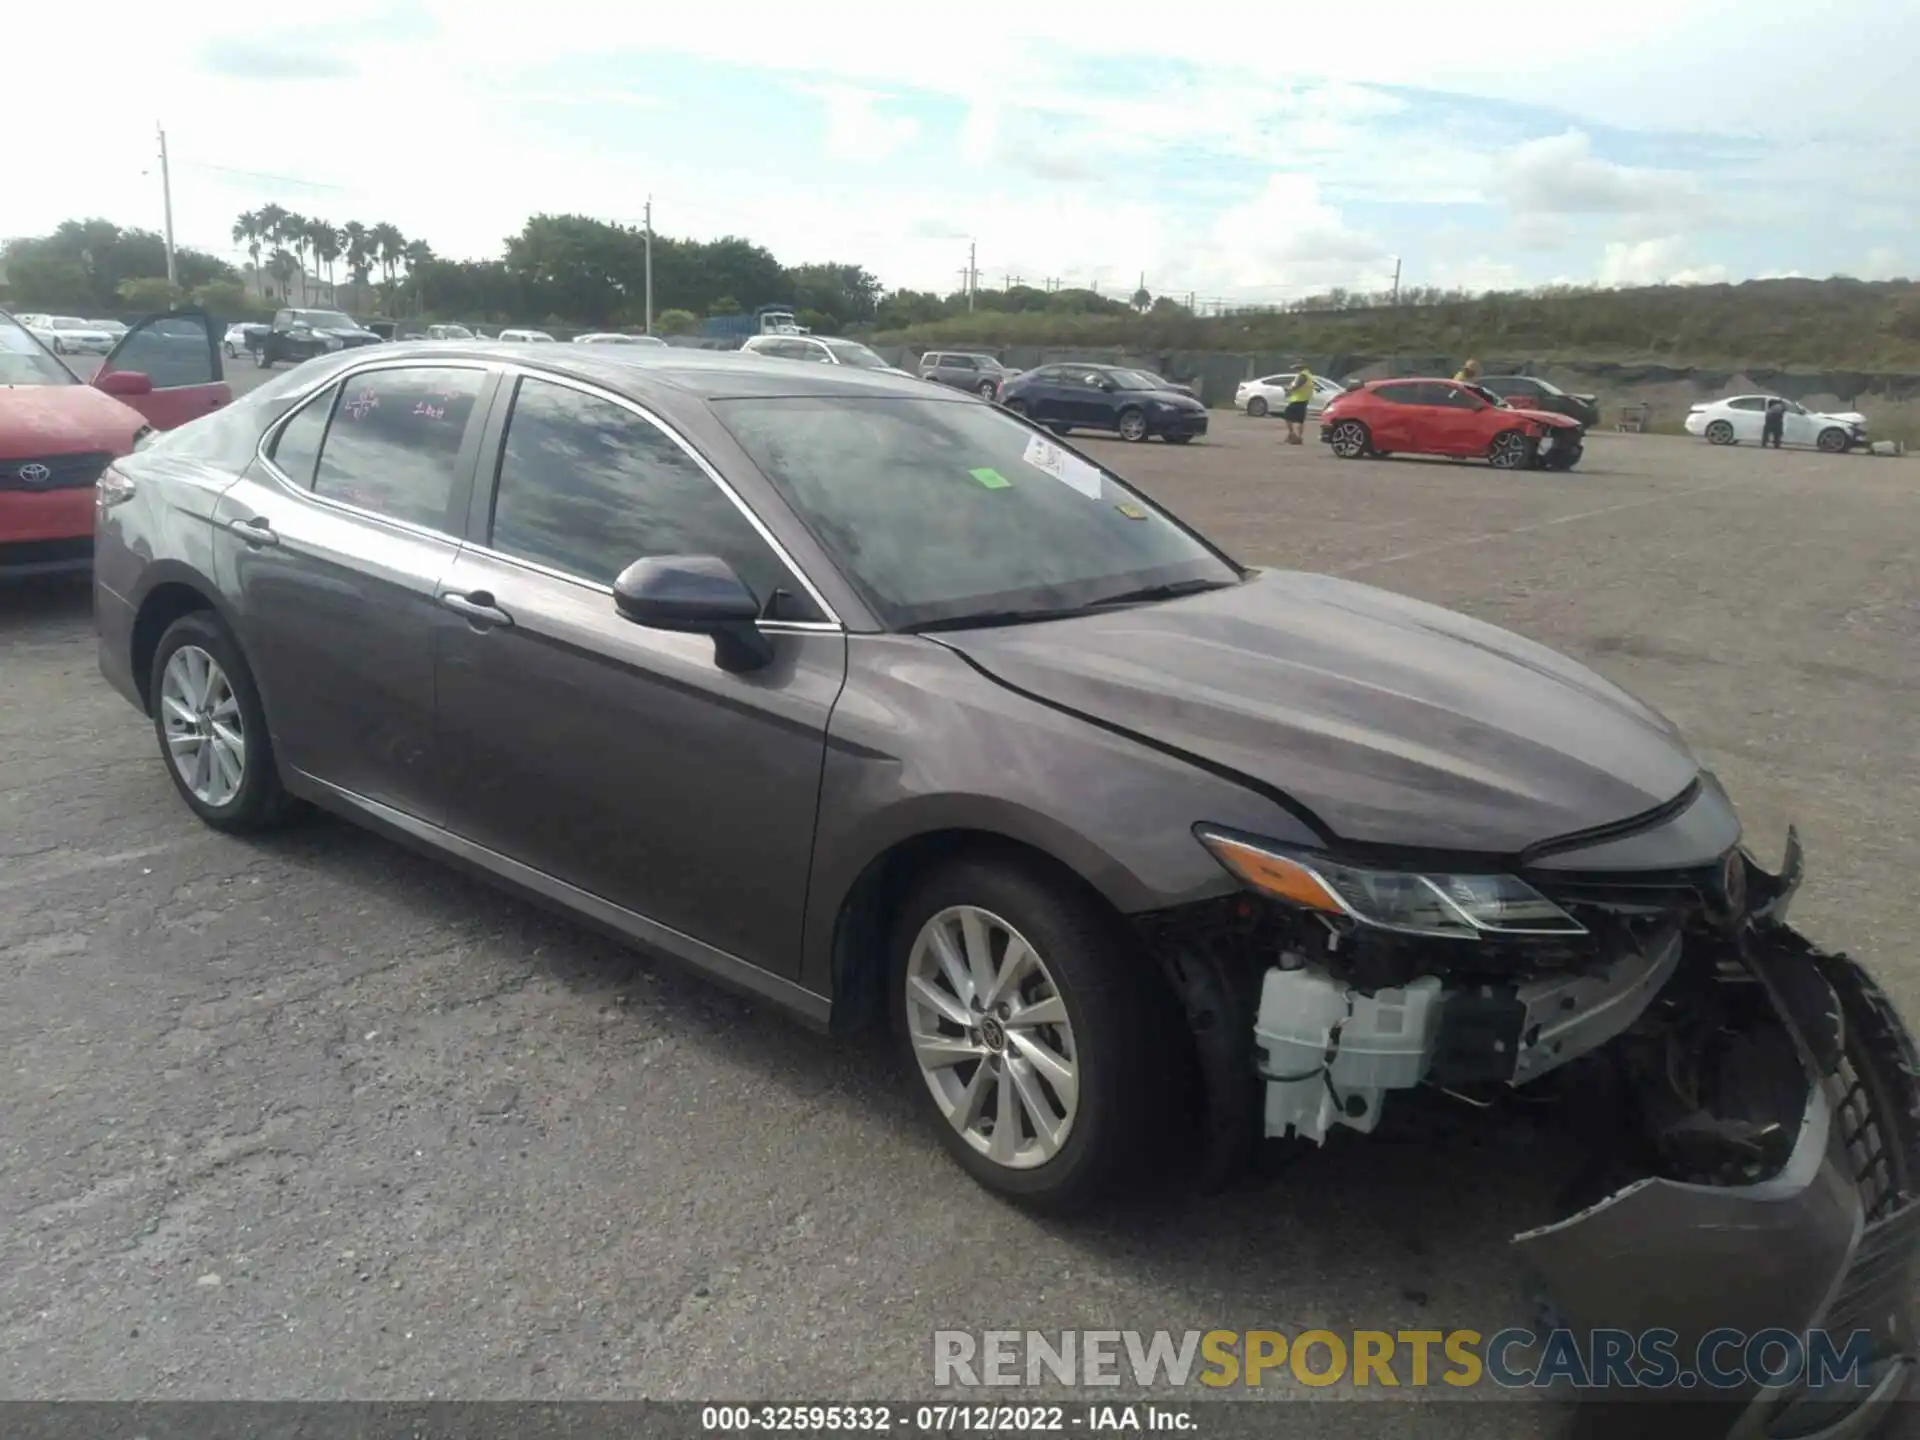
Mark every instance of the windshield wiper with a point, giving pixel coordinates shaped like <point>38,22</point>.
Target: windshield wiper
<point>1146,595</point>
<point>986,619</point>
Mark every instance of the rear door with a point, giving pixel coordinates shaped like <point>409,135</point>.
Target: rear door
<point>1394,419</point>
<point>335,547</point>
<point>168,368</point>
<point>1749,416</point>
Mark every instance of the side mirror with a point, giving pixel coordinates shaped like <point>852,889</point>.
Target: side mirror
<point>696,595</point>
<point>124,382</point>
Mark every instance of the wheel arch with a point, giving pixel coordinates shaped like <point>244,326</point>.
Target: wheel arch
<point>174,590</point>
<point>864,915</point>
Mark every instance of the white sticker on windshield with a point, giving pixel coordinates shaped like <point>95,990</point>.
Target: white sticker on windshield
<point>1068,469</point>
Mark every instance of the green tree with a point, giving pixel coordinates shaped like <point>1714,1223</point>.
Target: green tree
<point>41,280</point>
<point>324,240</point>
<point>248,231</point>
<point>223,299</point>
<point>149,292</point>
<point>676,322</point>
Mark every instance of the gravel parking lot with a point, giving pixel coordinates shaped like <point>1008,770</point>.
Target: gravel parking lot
<point>312,1117</point>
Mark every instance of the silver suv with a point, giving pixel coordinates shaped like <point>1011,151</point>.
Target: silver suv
<point>965,370</point>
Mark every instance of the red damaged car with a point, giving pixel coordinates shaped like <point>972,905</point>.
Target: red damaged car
<point>58,432</point>
<point>1448,417</point>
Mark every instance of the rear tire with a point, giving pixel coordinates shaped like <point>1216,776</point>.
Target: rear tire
<point>986,389</point>
<point>1257,406</point>
<point>1018,407</point>
<point>1720,432</point>
<point>1086,1077</point>
<point>196,732</point>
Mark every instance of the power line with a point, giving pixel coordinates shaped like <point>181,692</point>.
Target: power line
<point>259,175</point>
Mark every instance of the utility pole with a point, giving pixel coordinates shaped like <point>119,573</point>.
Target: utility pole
<point>973,273</point>
<point>166,194</point>
<point>649,329</point>
<point>1396,279</point>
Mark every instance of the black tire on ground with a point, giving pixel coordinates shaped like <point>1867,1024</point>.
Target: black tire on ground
<point>1720,432</point>
<point>1111,1003</point>
<point>1179,439</point>
<point>1060,429</point>
<point>1834,440</point>
<point>987,388</point>
<point>1257,406</point>
<point>1512,450</point>
<point>261,359</point>
<point>1132,425</point>
<point>1565,459</point>
<point>261,802</point>
<point>1018,407</point>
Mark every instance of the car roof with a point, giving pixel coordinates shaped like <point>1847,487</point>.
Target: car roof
<point>643,372</point>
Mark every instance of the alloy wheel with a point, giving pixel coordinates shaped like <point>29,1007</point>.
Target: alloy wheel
<point>990,1032</point>
<point>1510,451</point>
<point>1719,433</point>
<point>206,734</point>
<point>1349,440</point>
<point>1133,425</point>
<point>1257,406</point>
<point>1833,441</point>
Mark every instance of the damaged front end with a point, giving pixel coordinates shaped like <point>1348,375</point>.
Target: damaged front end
<point>1751,1104</point>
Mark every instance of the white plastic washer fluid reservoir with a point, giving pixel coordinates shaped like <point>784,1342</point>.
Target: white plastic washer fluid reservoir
<point>1330,1051</point>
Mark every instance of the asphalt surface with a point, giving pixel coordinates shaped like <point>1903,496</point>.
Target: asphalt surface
<point>314,1118</point>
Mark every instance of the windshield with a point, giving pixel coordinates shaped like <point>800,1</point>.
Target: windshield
<point>324,320</point>
<point>847,352</point>
<point>25,361</point>
<point>937,511</point>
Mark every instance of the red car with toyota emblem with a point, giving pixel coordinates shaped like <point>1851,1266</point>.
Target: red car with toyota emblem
<point>58,433</point>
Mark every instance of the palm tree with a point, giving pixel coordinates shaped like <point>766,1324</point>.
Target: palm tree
<point>272,220</point>
<point>359,250</point>
<point>282,265</point>
<point>247,231</point>
<point>324,241</point>
<point>419,256</point>
<point>389,249</point>
<point>294,237</point>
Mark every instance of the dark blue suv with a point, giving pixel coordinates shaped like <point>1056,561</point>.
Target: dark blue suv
<point>1131,403</point>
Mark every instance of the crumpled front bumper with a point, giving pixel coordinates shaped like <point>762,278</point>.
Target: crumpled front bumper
<point>1825,1245</point>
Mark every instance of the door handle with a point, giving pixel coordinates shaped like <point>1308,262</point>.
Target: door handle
<point>255,530</point>
<point>477,606</point>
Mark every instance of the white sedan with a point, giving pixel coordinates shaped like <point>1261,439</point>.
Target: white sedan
<point>70,335</point>
<point>1743,417</point>
<point>526,337</point>
<point>1258,397</point>
<point>608,337</point>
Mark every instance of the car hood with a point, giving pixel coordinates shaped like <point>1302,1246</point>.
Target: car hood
<point>40,420</point>
<point>1847,417</point>
<point>1180,398</point>
<point>1546,417</point>
<point>1394,722</point>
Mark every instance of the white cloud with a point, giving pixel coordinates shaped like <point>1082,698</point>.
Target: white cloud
<point>1288,237</point>
<point>1662,261</point>
<point>1560,175</point>
<point>858,130</point>
<point>1884,263</point>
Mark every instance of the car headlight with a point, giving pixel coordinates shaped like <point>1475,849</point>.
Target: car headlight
<point>1459,906</point>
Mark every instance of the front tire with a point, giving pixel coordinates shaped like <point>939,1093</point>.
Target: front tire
<point>1132,425</point>
<point>1179,439</point>
<point>1257,407</point>
<point>987,389</point>
<point>1510,450</point>
<point>1351,440</point>
<point>1834,440</point>
<point>1024,1016</point>
<point>212,729</point>
<point>59,346</point>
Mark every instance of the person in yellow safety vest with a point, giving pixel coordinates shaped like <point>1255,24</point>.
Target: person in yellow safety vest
<point>1298,394</point>
<point>1469,373</point>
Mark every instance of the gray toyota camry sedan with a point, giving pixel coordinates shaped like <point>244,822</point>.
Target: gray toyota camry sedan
<point>877,702</point>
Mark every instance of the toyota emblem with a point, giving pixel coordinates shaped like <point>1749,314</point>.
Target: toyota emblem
<point>34,473</point>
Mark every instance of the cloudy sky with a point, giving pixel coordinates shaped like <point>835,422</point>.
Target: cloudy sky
<point>1245,151</point>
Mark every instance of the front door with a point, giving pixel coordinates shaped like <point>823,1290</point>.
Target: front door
<point>1458,421</point>
<point>1801,428</point>
<point>168,368</point>
<point>335,548</point>
<point>621,760</point>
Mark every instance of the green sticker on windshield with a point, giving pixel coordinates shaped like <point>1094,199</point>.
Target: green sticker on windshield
<point>990,478</point>
<point>1131,510</point>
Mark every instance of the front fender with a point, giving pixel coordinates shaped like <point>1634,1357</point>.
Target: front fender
<point>922,742</point>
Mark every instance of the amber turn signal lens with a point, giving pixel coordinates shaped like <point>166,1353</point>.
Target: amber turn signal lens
<point>1274,875</point>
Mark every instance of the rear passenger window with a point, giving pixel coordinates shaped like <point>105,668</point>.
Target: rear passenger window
<point>588,487</point>
<point>394,444</point>
<point>297,445</point>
